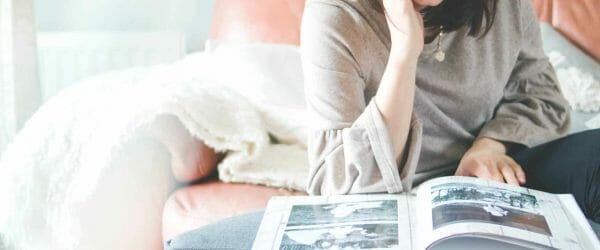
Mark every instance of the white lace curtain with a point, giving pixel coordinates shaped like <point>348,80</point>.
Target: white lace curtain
<point>19,86</point>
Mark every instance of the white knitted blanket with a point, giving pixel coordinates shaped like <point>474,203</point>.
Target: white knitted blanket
<point>53,172</point>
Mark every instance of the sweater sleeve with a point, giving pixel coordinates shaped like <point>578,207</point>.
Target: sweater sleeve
<point>349,147</point>
<point>533,109</point>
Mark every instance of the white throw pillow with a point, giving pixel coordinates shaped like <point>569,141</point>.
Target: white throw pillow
<point>579,77</point>
<point>270,76</point>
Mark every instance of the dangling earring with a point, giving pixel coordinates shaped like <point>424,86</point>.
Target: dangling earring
<point>440,56</point>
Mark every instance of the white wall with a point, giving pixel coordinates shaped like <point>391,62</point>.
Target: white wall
<point>19,87</point>
<point>191,17</point>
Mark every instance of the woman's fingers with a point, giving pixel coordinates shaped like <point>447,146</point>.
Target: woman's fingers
<point>420,20</point>
<point>496,173</point>
<point>398,6</point>
<point>500,172</point>
<point>485,171</point>
<point>509,174</point>
<point>397,14</point>
<point>498,168</point>
<point>406,28</point>
<point>518,170</point>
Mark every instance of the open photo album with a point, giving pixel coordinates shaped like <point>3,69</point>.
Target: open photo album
<point>442,213</point>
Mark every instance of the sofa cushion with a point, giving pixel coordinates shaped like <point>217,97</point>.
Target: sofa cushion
<point>195,206</point>
<point>579,77</point>
<point>269,21</point>
<point>577,20</point>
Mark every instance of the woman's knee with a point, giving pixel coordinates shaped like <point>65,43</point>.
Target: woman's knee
<point>586,140</point>
<point>233,233</point>
<point>584,151</point>
<point>592,199</point>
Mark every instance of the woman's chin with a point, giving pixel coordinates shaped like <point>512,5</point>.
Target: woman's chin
<point>420,4</point>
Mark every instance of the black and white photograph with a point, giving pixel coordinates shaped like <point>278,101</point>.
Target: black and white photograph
<point>361,236</point>
<point>461,212</point>
<point>346,212</point>
<point>445,193</point>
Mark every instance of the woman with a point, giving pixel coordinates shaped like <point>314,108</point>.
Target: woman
<point>403,91</point>
<point>493,90</point>
<point>465,89</point>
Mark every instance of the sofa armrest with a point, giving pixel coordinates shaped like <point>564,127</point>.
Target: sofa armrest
<point>195,206</point>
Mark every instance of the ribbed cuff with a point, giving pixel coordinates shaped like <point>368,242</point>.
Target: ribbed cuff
<point>506,130</point>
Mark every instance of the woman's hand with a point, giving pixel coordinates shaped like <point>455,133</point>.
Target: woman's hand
<point>487,159</point>
<point>406,28</point>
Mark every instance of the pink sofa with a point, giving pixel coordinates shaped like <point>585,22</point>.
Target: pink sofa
<point>278,21</point>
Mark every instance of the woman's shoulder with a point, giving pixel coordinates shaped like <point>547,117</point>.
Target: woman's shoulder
<point>343,38</point>
<point>347,19</point>
<point>349,11</point>
<point>517,13</point>
<point>353,4</point>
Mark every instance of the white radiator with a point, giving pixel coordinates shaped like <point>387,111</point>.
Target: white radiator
<point>67,57</point>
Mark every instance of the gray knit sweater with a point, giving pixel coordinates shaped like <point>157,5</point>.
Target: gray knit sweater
<point>500,86</point>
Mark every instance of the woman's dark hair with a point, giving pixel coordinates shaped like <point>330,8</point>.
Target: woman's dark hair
<point>475,15</point>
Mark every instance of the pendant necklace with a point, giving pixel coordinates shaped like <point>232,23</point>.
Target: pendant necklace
<point>440,56</point>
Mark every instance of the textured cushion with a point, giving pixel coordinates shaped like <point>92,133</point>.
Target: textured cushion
<point>195,206</point>
<point>271,21</point>
<point>579,77</point>
<point>577,20</point>
<point>555,43</point>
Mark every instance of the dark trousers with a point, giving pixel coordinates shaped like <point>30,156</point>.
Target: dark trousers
<point>568,165</point>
